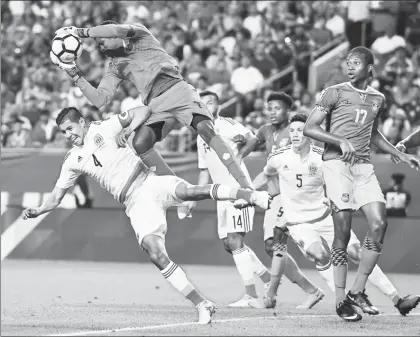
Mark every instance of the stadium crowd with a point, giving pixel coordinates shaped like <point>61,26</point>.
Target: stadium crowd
<point>229,47</point>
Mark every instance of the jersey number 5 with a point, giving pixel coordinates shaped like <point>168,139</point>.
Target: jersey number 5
<point>96,161</point>
<point>360,116</point>
<point>299,179</point>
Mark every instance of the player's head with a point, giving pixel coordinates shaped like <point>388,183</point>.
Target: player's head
<point>211,100</point>
<point>297,123</point>
<point>72,125</point>
<point>359,64</point>
<point>278,107</point>
<point>112,47</point>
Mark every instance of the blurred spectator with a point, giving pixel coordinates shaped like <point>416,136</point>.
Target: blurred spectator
<point>335,22</point>
<point>263,61</point>
<point>19,137</point>
<point>44,130</point>
<point>412,27</point>
<point>397,197</point>
<point>396,127</point>
<point>404,92</point>
<point>358,25</point>
<point>255,119</point>
<point>246,78</point>
<point>319,33</point>
<point>386,44</point>
<point>132,100</point>
<point>398,65</point>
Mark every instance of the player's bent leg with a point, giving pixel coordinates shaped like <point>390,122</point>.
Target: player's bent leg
<point>268,246</point>
<point>145,137</point>
<point>154,245</point>
<point>205,128</point>
<point>320,253</point>
<point>187,192</point>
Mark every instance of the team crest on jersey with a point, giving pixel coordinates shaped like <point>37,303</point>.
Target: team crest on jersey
<point>312,169</point>
<point>79,159</point>
<point>362,97</point>
<point>98,140</point>
<point>375,107</point>
<point>345,197</point>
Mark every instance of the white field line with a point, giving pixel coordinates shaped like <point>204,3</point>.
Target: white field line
<point>175,325</point>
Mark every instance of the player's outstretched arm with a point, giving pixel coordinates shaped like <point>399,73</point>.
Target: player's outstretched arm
<point>260,180</point>
<point>113,31</point>
<point>130,120</point>
<point>48,205</point>
<point>250,144</point>
<point>412,140</point>
<point>382,143</point>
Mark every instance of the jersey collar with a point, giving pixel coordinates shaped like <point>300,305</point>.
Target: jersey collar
<point>358,90</point>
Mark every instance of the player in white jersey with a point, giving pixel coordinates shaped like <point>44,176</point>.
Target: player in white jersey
<point>97,152</point>
<point>233,223</point>
<point>307,214</point>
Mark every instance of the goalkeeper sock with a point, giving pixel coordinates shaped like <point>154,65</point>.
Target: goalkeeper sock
<point>155,162</point>
<point>339,260</point>
<point>176,276</point>
<point>225,153</point>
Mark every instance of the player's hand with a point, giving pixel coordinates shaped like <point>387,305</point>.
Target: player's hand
<point>349,153</point>
<point>69,29</point>
<point>400,147</point>
<point>123,137</point>
<point>411,160</point>
<point>30,213</point>
<point>61,65</point>
<point>241,203</point>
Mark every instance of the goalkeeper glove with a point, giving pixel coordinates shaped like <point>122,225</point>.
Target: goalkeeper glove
<point>70,68</point>
<point>80,32</point>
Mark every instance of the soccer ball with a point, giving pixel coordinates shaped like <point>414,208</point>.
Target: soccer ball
<point>67,47</point>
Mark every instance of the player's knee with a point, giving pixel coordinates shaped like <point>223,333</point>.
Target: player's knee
<point>181,191</point>
<point>159,258</point>
<point>268,245</point>
<point>144,139</point>
<point>235,241</point>
<point>155,248</point>
<point>355,253</point>
<point>378,228</point>
<point>280,235</point>
<point>320,254</point>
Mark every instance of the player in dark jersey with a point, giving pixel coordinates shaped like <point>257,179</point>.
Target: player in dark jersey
<point>273,136</point>
<point>137,56</point>
<point>351,113</point>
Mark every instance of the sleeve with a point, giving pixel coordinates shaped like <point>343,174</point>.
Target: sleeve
<point>67,176</point>
<point>105,91</point>
<point>201,152</point>
<point>270,168</point>
<point>261,134</point>
<point>112,125</point>
<point>239,129</point>
<point>327,100</point>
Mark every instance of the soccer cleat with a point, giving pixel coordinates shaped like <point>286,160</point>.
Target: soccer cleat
<point>347,312</point>
<point>205,310</point>
<point>264,303</point>
<point>407,303</point>
<point>312,299</point>
<point>261,199</point>
<point>242,303</point>
<point>361,300</point>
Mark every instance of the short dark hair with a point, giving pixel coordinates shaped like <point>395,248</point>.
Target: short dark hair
<point>209,93</point>
<point>280,96</point>
<point>299,117</point>
<point>108,22</point>
<point>367,54</point>
<point>70,113</point>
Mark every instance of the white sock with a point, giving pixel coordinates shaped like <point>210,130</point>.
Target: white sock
<point>379,279</point>
<point>327,274</point>
<point>176,276</point>
<point>244,264</point>
<point>259,267</point>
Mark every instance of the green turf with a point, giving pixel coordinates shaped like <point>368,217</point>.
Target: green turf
<point>55,297</point>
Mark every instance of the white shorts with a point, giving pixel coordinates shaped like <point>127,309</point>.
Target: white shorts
<point>304,235</point>
<point>232,220</point>
<point>351,187</point>
<point>273,217</point>
<point>146,204</point>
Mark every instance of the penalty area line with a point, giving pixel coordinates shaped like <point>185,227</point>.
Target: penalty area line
<point>176,325</point>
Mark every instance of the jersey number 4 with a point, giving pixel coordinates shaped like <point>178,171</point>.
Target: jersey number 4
<point>360,116</point>
<point>96,161</point>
